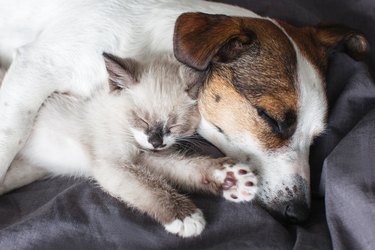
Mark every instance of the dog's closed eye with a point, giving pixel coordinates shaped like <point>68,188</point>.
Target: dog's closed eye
<point>285,127</point>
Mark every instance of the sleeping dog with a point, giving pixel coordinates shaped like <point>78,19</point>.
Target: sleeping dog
<point>262,99</point>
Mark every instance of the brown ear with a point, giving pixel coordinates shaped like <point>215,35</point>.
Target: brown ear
<point>200,39</point>
<point>352,42</point>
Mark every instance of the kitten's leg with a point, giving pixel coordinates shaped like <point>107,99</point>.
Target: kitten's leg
<point>139,188</point>
<point>236,181</point>
<point>21,173</point>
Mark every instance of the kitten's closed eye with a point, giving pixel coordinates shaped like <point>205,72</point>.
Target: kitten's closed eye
<point>174,129</point>
<point>139,121</point>
<point>144,122</point>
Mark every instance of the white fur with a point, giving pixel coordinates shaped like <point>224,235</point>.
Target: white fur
<point>63,153</point>
<point>141,139</point>
<point>59,45</point>
<point>278,166</point>
<point>62,48</point>
<point>95,138</point>
<point>71,134</point>
<point>240,192</point>
<point>293,159</point>
<point>190,226</point>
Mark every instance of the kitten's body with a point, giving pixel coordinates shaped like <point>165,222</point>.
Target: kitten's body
<point>73,132</point>
<point>112,137</point>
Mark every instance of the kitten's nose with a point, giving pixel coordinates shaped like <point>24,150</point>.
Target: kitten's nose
<point>155,140</point>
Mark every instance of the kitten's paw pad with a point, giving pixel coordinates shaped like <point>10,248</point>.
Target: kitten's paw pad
<point>239,183</point>
<point>190,226</point>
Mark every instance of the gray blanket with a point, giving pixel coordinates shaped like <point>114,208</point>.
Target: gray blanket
<point>74,214</point>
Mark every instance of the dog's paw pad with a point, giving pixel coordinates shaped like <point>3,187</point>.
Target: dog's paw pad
<point>239,183</point>
<point>190,226</point>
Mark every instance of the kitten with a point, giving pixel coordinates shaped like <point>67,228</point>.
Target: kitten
<point>119,138</point>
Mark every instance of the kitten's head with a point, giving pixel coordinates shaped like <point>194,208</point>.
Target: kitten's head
<point>163,98</point>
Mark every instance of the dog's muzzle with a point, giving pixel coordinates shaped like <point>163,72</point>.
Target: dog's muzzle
<point>290,203</point>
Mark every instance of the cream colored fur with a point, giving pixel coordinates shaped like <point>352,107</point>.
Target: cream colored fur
<point>94,138</point>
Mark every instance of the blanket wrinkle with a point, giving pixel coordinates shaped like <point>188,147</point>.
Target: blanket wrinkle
<point>65,213</point>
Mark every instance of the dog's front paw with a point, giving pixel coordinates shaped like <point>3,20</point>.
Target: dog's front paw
<point>189,226</point>
<point>239,183</point>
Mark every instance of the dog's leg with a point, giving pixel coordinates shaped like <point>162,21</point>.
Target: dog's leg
<point>2,73</point>
<point>23,91</point>
<point>139,188</point>
<point>236,181</point>
<point>35,74</point>
<point>21,173</point>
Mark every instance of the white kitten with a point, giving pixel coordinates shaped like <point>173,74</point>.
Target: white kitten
<point>118,138</point>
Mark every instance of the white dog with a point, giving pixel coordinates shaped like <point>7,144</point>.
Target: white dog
<point>263,98</point>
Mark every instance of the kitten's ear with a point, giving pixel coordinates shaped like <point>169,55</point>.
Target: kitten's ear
<point>193,79</point>
<point>122,73</point>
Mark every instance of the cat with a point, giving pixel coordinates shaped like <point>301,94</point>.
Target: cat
<point>123,138</point>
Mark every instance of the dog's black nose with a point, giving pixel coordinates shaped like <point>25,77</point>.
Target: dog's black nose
<point>297,212</point>
<point>155,140</point>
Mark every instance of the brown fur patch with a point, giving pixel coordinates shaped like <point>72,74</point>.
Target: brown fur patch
<point>316,42</point>
<point>310,49</point>
<point>190,26</point>
<point>239,117</point>
<point>252,66</point>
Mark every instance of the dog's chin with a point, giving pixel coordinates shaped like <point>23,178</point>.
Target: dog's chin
<point>287,204</point>
<point>277,209</point>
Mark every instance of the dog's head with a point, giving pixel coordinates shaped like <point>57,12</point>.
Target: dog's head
<point>264,100</point>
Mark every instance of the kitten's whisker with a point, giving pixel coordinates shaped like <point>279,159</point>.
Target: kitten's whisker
<point>191,143</point>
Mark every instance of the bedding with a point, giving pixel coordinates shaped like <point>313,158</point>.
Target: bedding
<point>67,213</point>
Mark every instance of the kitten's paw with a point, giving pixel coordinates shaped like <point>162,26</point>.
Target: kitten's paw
<point>190,226</point>
<point>239,183</point>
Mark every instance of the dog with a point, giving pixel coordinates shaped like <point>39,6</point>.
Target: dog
<point>263,96</point>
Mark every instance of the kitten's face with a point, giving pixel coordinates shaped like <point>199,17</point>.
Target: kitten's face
<point>162,94</point>
<point>157,132</point>
<point>163,109</point>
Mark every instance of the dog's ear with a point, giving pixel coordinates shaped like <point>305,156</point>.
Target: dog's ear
<point>122,73</point>
<point>353,42</point>
<point>200,39</point>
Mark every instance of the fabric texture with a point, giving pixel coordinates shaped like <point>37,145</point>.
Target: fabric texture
<point>65,213</point>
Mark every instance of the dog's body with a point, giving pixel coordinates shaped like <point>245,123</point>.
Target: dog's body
<point>263,100</point>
